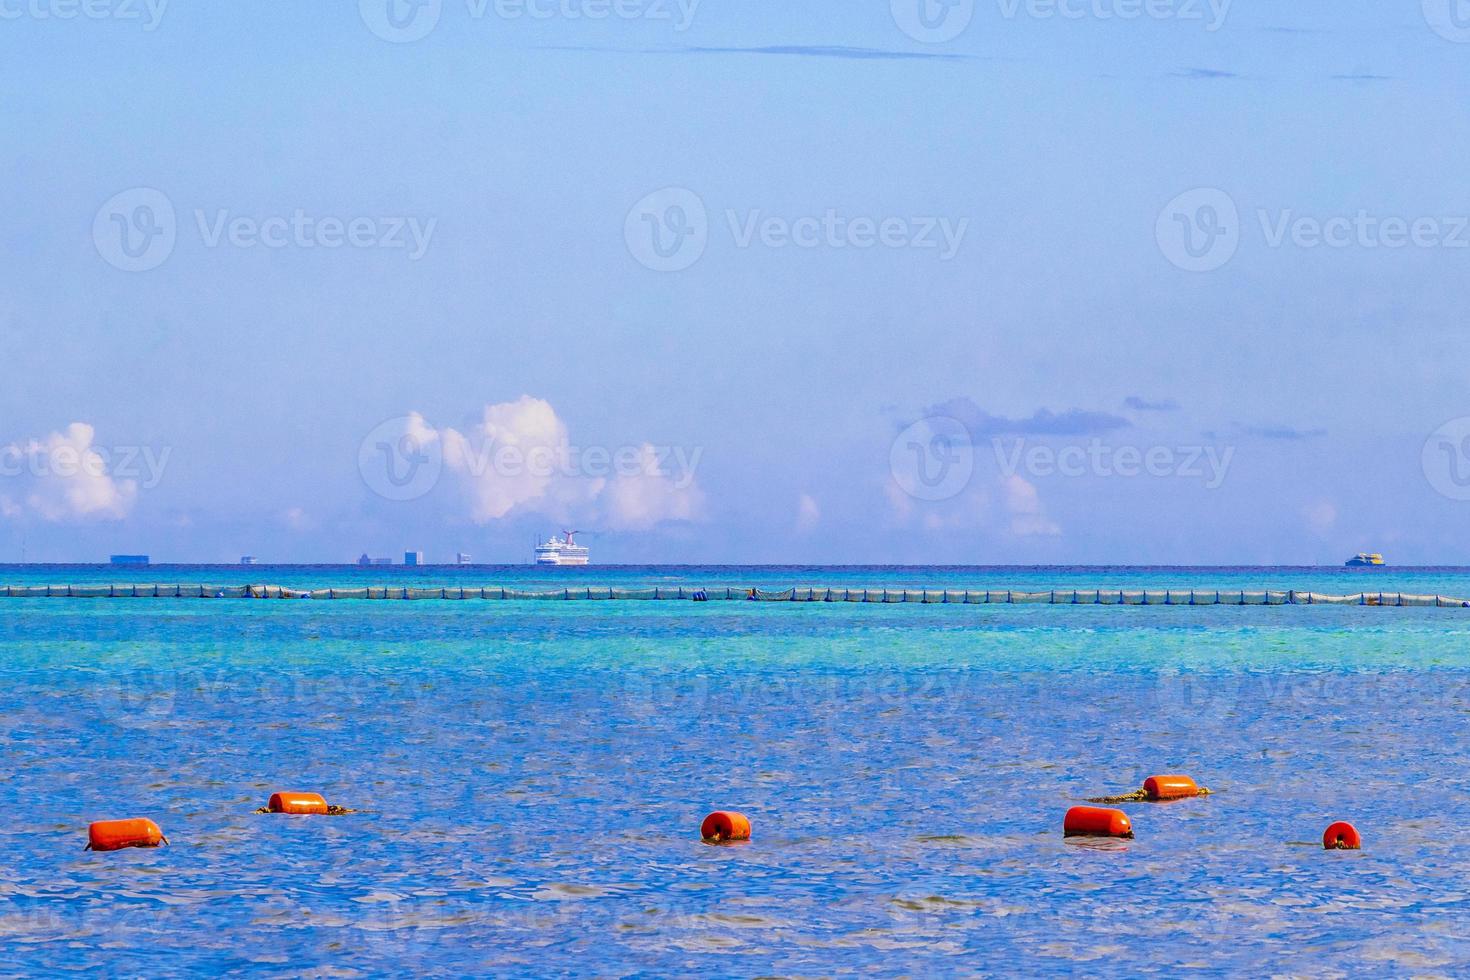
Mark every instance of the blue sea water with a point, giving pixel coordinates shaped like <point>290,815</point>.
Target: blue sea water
<point>532,776</point>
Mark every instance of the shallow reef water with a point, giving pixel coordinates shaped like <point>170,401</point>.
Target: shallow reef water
<point>530,779</point>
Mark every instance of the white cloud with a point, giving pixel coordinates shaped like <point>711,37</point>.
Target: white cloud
<point>1321,516</point>
<point>517,456</point>
<point>808,514</point>
<point>1028,516</point>
<point>64,477</point>
<point>651,495</point>
<point>520,458</point>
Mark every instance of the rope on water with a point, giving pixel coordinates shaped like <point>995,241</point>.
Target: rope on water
<point>1141,796</point>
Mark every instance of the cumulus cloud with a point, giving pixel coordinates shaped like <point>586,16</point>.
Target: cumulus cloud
<point>808,513</point>
<point>516,455</point>
<point>519,458</point>
<point>1027,515</point>
<point>637,499</point>
<point>63,477</point>
<point>1321,516</point>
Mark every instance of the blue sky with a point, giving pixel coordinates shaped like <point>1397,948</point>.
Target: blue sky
<point>439,239</point>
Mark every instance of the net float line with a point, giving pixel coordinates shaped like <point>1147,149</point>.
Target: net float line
<point>1068,597</point>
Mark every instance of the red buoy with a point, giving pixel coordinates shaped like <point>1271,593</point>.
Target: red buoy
<point>1342,836</point>
<point>1093,821</point>
<point>297,803</point>
<point>114,835</point>
<point>725,825</point>
<point>1170,787</point>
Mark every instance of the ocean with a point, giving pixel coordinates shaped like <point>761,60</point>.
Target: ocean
<point>531,776</point>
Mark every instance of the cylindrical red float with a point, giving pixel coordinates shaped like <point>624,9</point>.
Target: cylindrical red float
<point>723,825</point>
<point>114,835</point>
<point>1169,787</point>
<point>1342,836</point>
<point>296,803</point>
<point>1093,821</point>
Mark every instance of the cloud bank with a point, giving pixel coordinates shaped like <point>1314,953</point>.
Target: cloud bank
<point>519,458</point>
<point>62,477</point>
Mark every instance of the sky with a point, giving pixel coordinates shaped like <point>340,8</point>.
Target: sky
<point>906,281</point>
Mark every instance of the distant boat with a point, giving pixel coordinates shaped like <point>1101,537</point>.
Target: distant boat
<point>562,552</point>
<point>1364,560</point>
<point>247,560</point>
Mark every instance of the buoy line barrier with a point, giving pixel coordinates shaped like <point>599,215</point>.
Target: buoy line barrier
<point>302,803</point>
<point>1068,597</point>
<point>1158,789</point>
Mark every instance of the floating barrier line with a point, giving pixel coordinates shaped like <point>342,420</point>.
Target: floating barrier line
<point>1095,597</point>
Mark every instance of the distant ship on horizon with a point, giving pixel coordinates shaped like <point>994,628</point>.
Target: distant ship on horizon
<point>559,551</point>
<point>1365,560</point>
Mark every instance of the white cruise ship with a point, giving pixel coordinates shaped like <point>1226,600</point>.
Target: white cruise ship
<point>559,551</point>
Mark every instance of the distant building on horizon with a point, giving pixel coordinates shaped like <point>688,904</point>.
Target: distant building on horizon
<point>365,561</point>
<point>412,558</point>
<point>460,558</point>
<point>133,561</point>
<point>248,560</point>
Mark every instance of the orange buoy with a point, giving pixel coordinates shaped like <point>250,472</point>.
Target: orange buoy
<point>297,803</point>
<point>725,825</point>
<point>1342,836</point>
<point>1169,787</point>
<point>1094,821</point>
<point>114,835</point>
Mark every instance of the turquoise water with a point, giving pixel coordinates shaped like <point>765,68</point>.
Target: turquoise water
<point>534,775</point>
